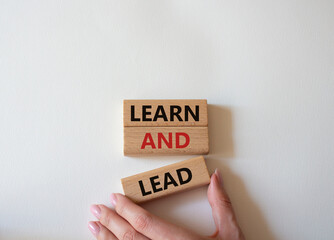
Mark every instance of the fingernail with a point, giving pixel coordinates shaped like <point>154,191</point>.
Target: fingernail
<point>96,210</point>
<point>113,199</point>
<point>94,228</point>
<point>219,176</point>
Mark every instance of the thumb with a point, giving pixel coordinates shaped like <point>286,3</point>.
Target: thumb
<point>222,210</point>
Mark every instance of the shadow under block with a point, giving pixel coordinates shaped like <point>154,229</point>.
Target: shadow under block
<point>166,140</point>
<point>165,127</point>
<point>166,180</point>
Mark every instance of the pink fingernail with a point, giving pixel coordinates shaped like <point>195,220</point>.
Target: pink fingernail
<point>94,228</point>
<point>113,199</point>
<point>219,176</point>
<point>96,210</point>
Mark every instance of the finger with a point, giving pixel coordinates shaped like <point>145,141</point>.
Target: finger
<point>222,210</point>
<point>116,224</point>
<point>100,232</point>
<point>149,225</point>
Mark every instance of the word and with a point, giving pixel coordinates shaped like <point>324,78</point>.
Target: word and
<point>148,140</point>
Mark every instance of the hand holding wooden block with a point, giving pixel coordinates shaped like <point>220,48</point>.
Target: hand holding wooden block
<point>166,180</point>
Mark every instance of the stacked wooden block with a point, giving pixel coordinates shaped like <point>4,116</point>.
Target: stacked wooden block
<point>166,127</point>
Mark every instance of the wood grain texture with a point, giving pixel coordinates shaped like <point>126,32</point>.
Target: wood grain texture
<point>166,105</point>
<point>149,140</point>
<point>162,179</point>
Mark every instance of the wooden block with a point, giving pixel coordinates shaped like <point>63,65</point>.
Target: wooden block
<point>166,140</point>
<point>165,113</point>
<point>166,180</point>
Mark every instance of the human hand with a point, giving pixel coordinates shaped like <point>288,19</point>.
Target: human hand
<point>129,221</point>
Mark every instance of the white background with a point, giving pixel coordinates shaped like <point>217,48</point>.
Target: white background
<point>265,67</point>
